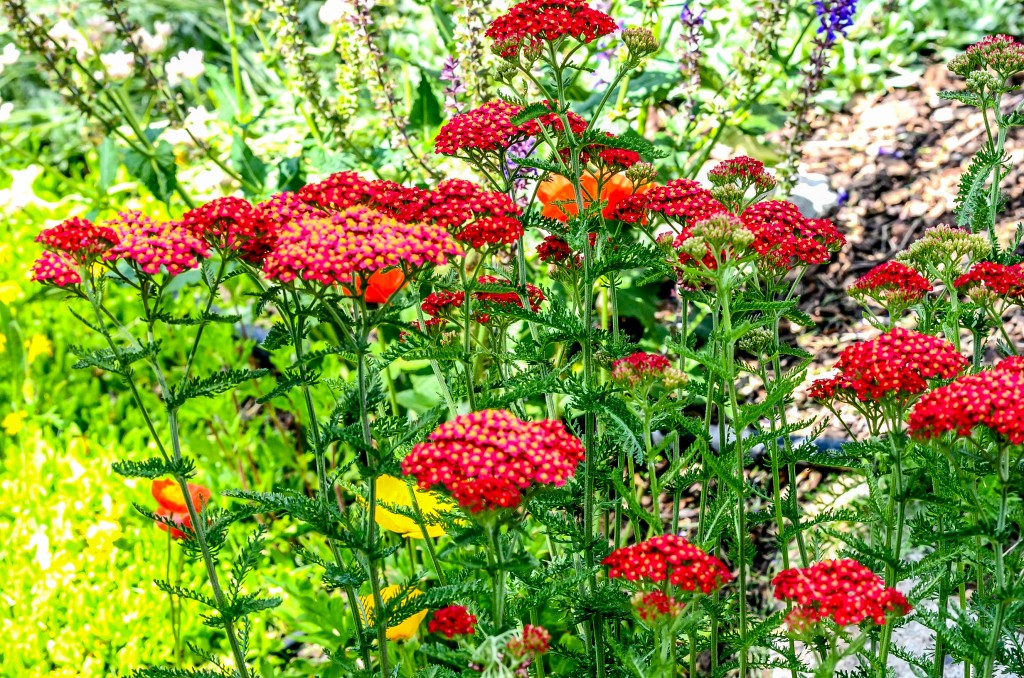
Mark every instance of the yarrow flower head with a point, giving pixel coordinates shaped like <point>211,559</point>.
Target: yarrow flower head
<point>488,460</point>
<point>785,238</point>
<point>893,285</point>
<point>232,225</point>
<point>533,642</point>
<point>172,507</point>
<point>532,22</point>
<point>354,243</point>
<point>554,250</point>
<point>672,558</point>
<point>454,620</point>
<point>79,240</point>
<point>987,280</point>
<point>684,201</point>
<point>713,241</point>
<point>843,591</point>
<point>656,606</point>
<point>741,173</point>
<point>993,398</point>
<point>1000,53</point>
<point>898,364</point>
<point>646,369</point>
<point>153,247</point>
<point>54,268</point>
<point>475,216</point>
<point>490,128</point>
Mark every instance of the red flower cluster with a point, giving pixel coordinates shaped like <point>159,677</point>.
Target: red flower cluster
<point>454,620</point>
<point>79,239</point>
<point>534,21</point>
<point>892,284</point>
<point>535,641</point>
<point>151,247</point>
<point>785,238</point>
<point>898,363</point>
<point>488,459</point>
<point>654,606</point>
<point>841,590</point>
<point>357,241</point>
<point>742,172</point>
<point>172,506</point>
<point>682,200</point>
<point>442,303</point>
<point>490,128</point>
<point>646,369</point>
<point>232,224</point>
<point>554,250</point>
<point>669,557</point>
<point>994,398</point>
<point>993,278</point>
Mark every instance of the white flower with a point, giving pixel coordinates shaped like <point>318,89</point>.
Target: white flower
<point>10,54</point>
<point>118,65</point>
<point>68,37</point>
<point>184,66</point>
<point>150,43</point>
<point>334,12</point>
<point>99,28</point>
<point>6,108</point>
<point>196,126</point>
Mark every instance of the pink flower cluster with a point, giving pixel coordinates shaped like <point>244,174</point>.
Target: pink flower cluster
<point>742,172</point>
<point>994,398</point>
<point>232,225</point>
<point>646,369</point>
<point>488,460</point>
<point>669,557</point>
<point>898,363</point>
<point>841,590</point>
<point>356,241</point>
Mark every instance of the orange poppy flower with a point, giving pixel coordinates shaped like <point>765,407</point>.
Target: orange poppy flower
<point>559,198</point>
<point>381,286</point>
<point>171,502</point>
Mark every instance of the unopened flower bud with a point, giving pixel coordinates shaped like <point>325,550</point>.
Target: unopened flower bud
<point>640,41</point>
<point>642,173</point>
<point>757,341</point>
<point>981,82</point>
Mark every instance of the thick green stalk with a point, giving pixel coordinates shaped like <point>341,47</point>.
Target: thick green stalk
<point>1000,574</point>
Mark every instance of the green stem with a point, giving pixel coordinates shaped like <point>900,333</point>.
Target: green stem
<point>498,580</point>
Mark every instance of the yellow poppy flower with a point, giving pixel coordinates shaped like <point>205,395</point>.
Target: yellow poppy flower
<point>38,346</point>
<point>13,423</point>
<point>405,629</point>
<point>395,491</point>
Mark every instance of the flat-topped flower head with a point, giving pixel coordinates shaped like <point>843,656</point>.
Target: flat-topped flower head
<point>78,239</point>
<point>1000,53</point>
<point>646,369</point>
<point>988,280</point>
<point>152,247</point>
<point>488,460</point>
<point>338,191</point>
<point>285,208</point>
<point>656,606</point>
<point>672,558</point>
<point>684,201</point>
<point>474,215</point>
<point>489,128</point>
<point>442,304</point>
<point>232,225</point>
<point>843,591</point>
<point>532,642</point>
<point>454,620</point>
<point>785,238</point>
<point>535,21</point>
<point>897,364</point>
<point>993,398</point>
<point>893,285</point>
<point>744,171</point>
<point>554,250</point>
<point>354,243</point>
<point>53,268</point>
